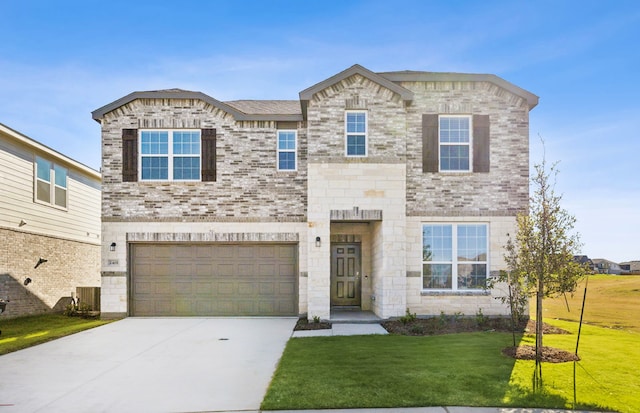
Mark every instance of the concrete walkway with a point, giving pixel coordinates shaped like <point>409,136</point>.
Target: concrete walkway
<point>343,330</point>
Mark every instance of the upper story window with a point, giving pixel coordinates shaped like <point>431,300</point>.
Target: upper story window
<point>50,183</point>
<point>287,150</point>
<point>356,133</point>
<point>454,256</point>
<point>455,143</point>
<point>170,155</point>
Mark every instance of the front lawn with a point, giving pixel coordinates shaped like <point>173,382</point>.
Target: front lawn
<point>23,332</point>
<point>454,370</point>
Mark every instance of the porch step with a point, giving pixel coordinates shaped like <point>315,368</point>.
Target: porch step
<point>353,316</point>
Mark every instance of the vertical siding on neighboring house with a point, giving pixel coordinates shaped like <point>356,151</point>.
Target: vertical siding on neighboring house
<point>79,222</point>
<point>68,239</point>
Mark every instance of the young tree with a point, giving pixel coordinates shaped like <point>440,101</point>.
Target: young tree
<point>540,259</point>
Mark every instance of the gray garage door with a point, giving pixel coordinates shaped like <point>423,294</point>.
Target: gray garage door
<point>213,279</point>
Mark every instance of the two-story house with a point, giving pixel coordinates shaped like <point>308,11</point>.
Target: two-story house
<point>49,226</point>
<point>379,191</point>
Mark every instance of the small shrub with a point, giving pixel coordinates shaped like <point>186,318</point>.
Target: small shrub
<point>481,319</point>
<point>443,319</point>
<point>408,317</point>
<point>316,319</point>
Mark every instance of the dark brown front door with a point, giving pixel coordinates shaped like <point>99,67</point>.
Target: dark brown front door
<point>345,274</point>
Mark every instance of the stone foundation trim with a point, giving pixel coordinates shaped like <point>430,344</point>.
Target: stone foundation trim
<point>356,214</point>
<point>205,218</point>
<point>113,274</point>
<point>459,293</point>
<point>213,237</point>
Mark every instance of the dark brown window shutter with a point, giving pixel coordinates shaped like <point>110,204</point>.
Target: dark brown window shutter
<point>481,139</point>
<point>430,143</point>
<point>208,155</point>
<point>129,155</point>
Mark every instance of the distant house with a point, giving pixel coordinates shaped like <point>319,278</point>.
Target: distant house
<point>602,266</point>
<point>49,226</point>
<point>630,267</point>
<point>583,259</point>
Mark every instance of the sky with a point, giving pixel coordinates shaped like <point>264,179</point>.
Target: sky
<point>60,60</point>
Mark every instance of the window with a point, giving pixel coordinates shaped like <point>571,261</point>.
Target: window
<point>51,183</point>
<point>170,155</point>
<point>356,133</point>
<point>454,256</point>
<point>455,143</point>
<point>287,147</point>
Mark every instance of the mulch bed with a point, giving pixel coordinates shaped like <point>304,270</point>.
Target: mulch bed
<point>304,324</point>
<point>549,354</point>
<point>452,324</point>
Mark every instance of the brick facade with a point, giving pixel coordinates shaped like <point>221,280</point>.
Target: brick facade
<point>70,264</point>
<point>381,199</point>
<point>247,188</point>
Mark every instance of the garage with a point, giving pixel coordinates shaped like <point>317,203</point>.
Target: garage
<point>214,279</point>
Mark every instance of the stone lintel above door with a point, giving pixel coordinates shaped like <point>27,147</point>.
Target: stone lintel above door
<point>356,214</point>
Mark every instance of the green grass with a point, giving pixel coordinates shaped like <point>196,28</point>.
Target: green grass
<point>612,301</point>
<point>23,332</point>
<point>455,370</point>
<point>468,369</point>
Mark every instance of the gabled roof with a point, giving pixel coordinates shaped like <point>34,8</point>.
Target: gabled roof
<point>234,110</point>
<point>37,146</point>
<point>308,93</point>
<point>414,76</point>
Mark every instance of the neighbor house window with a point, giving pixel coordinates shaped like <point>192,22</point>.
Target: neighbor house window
<point>454,256</point>
<point>356,133</point>
<point>170,155</point>
<point>455,143</point>
<point>51,183</point>
<point>287,150</point>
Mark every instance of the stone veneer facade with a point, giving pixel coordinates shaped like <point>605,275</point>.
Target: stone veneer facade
<point>381,199</point>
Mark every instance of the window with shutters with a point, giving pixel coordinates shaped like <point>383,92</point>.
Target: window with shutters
<point>170,155</point>
<point>455,143</point>
<point>50,183</point>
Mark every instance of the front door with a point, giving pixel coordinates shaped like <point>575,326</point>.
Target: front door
<point>345,274</point>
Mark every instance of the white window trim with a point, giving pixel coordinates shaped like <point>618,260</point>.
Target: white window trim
<point>170,155</point>
<point>366,134</point>
<point>454,262</point>
<point>52,184</point>
<point>460,171</point>
<point>294,150</point>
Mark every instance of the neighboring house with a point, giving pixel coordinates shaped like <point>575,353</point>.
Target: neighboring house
<point>379,191</point>
<point>602,266</point>
<point>584,260</point>
<point>630,267</point>
<point>49,209</point>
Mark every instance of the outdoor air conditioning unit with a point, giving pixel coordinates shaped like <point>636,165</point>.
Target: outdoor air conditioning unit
<point>88,298</point>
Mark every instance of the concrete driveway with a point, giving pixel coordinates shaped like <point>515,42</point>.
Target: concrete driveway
<point>148,365</point>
